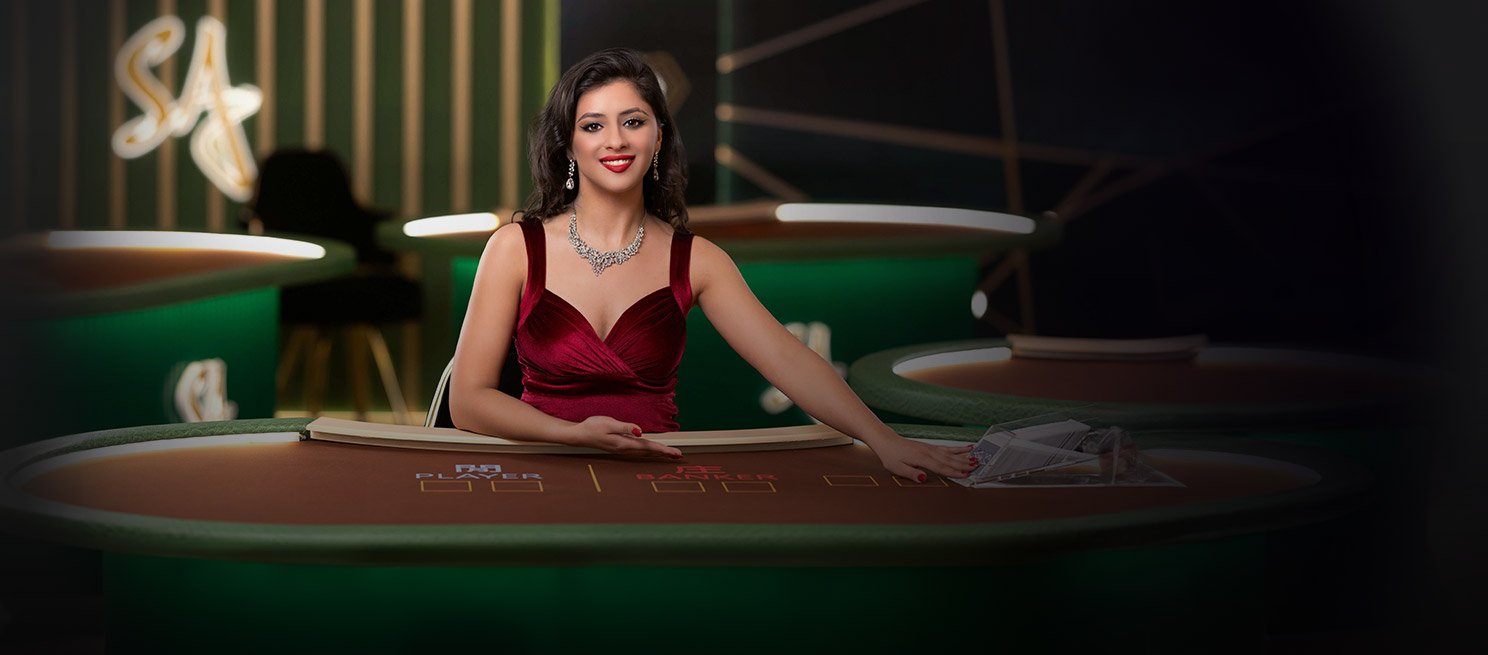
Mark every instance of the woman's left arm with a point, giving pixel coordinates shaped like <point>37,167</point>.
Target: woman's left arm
<point>801,374</point>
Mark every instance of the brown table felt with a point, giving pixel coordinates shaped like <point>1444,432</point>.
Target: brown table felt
<point>338,484</point>
<point>1166,381</point>
<point>106,268</point>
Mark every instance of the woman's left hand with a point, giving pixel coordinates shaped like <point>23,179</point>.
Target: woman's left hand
<point>910,459</point>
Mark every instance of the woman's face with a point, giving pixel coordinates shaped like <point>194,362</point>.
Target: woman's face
<point>614,136</point>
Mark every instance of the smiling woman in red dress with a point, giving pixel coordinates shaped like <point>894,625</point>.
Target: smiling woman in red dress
<point>596,279</point>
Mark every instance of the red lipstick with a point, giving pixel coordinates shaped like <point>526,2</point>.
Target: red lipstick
<point>617,163</point>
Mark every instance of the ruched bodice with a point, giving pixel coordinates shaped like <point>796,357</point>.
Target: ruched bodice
<point>631,374</point>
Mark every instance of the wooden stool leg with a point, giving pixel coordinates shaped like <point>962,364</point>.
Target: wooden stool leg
<point>315,378</point>
<point>357,345</point>
<point>412,366</point>
<point>389,376</point>
<point>298,336</point>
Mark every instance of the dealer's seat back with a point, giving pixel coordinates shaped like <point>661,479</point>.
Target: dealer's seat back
<point>439,413</point>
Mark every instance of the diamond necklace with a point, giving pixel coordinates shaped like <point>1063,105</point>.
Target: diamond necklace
<point>602,260</point>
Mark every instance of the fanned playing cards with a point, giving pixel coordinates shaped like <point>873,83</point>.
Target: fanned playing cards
<point>1057,451</point>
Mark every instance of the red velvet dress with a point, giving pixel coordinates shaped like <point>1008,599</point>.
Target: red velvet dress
<point>631,375</point>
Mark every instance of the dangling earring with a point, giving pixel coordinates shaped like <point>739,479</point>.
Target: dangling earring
<point>570,184</point>
<point>656,166</point>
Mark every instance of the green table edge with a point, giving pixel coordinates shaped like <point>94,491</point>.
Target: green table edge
<point>338,260</point>
<point>1344,486</point>
<point>1046,233</point>
<point>875,382</point>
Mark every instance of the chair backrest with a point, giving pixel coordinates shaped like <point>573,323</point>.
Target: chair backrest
<point>439,412</point>
<point>510,384</point>
<point>308,192</point>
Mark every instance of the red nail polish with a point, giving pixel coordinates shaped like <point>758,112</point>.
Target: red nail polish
<point>636,431</point>
<point>921,478</point>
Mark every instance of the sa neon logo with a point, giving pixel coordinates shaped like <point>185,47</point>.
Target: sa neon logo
<point>818,337</point>
<point>200,392</point>
<point>219,146</point>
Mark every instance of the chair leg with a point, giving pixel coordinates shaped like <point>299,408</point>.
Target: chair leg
<point>357,345</point>
<point>298,343</point>
<point>389,376</point>
<point>412,364</point>
<point>315,378</point>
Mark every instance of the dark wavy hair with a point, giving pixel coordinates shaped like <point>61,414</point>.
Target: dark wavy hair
<point>551,133</point>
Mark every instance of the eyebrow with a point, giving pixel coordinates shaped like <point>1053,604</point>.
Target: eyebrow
<point>632,110</point>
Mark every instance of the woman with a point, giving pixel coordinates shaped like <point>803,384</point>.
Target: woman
<point>576,280</point>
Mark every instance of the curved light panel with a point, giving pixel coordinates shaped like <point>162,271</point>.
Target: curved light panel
<point>904,214</point>
<point>978,303</point>
<point>977,356</point>
<point>452,224</point>
<point>76,239</point>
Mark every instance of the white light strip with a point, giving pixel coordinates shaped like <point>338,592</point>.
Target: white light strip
<point>29,473</point>
<point>69,239</point>
<point>979,303</point>
<point>978,356</point>
<point>452,224</point>
<point>904,214</point>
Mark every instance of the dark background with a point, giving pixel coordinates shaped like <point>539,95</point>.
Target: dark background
<point>1303,228</point>
<point>1323,189</point>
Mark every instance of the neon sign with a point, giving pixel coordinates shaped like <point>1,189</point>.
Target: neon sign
<point>818,337</point>
<point>218,146</point>
<point>201,392</point>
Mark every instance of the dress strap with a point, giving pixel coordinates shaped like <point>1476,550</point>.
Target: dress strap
<point>681,282</point>
<point>537,266</point>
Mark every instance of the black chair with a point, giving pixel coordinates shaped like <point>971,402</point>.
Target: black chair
<point>307,192</point>
<point>510,383</point>
<point>439,411</point>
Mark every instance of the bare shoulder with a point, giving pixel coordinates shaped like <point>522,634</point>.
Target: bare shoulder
<point>709,263</point>
<point>707,254</point>
<point>507,240</point>
<point>506,252</point>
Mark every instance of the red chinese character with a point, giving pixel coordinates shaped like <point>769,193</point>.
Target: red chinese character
<point>699,469</point>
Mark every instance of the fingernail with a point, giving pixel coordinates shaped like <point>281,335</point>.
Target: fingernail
<point>636,431</point>
<point>674,456</point>
<point>921,478</point>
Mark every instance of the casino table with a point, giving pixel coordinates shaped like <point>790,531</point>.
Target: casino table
<point>983,382</point>
<point>245,535</point>
<point>103,327</point>
<point>867,274</point>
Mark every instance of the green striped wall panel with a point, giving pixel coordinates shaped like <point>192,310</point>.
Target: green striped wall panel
<point>44,24</point>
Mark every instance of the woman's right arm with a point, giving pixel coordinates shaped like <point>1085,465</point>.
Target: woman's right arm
<point>476,405</point>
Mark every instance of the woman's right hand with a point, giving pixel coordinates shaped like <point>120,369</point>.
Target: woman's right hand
<point>617,437</point>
